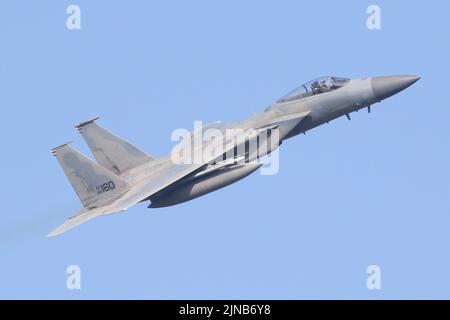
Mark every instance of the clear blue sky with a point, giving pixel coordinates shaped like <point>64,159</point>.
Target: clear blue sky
<point>348,195</point>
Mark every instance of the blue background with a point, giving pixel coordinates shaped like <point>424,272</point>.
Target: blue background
<point>348,195</point>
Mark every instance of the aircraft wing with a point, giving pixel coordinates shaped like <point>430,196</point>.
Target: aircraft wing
<point>79,218</point>
<point>174,172</point>
<point>137,193</point>
<point>166,175</point>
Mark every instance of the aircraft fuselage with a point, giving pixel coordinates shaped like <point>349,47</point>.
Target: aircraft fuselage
<point>322,103</point>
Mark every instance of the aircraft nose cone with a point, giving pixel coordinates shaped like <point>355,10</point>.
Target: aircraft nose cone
<point>384,87</point>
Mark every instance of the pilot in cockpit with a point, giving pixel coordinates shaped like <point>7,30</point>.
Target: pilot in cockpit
<point>322,86</point>
<point>313,87</point>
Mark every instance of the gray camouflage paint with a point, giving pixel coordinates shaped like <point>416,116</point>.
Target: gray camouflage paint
<point>138,176</point>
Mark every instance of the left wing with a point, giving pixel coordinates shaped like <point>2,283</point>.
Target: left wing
<point>138,192</point>
<point>167,174</point>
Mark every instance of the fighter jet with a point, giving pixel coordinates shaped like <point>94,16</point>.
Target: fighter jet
<point>123,175</point>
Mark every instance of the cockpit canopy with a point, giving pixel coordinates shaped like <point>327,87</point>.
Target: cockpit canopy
<point>314,87</point>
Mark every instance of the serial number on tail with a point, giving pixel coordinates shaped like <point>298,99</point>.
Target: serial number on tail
<point>107,186</point>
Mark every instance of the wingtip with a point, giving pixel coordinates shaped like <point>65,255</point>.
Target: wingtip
<point>77,220</point>
<point>57,231</point>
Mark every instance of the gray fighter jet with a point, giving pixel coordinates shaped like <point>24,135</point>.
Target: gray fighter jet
<point>124,175</point>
